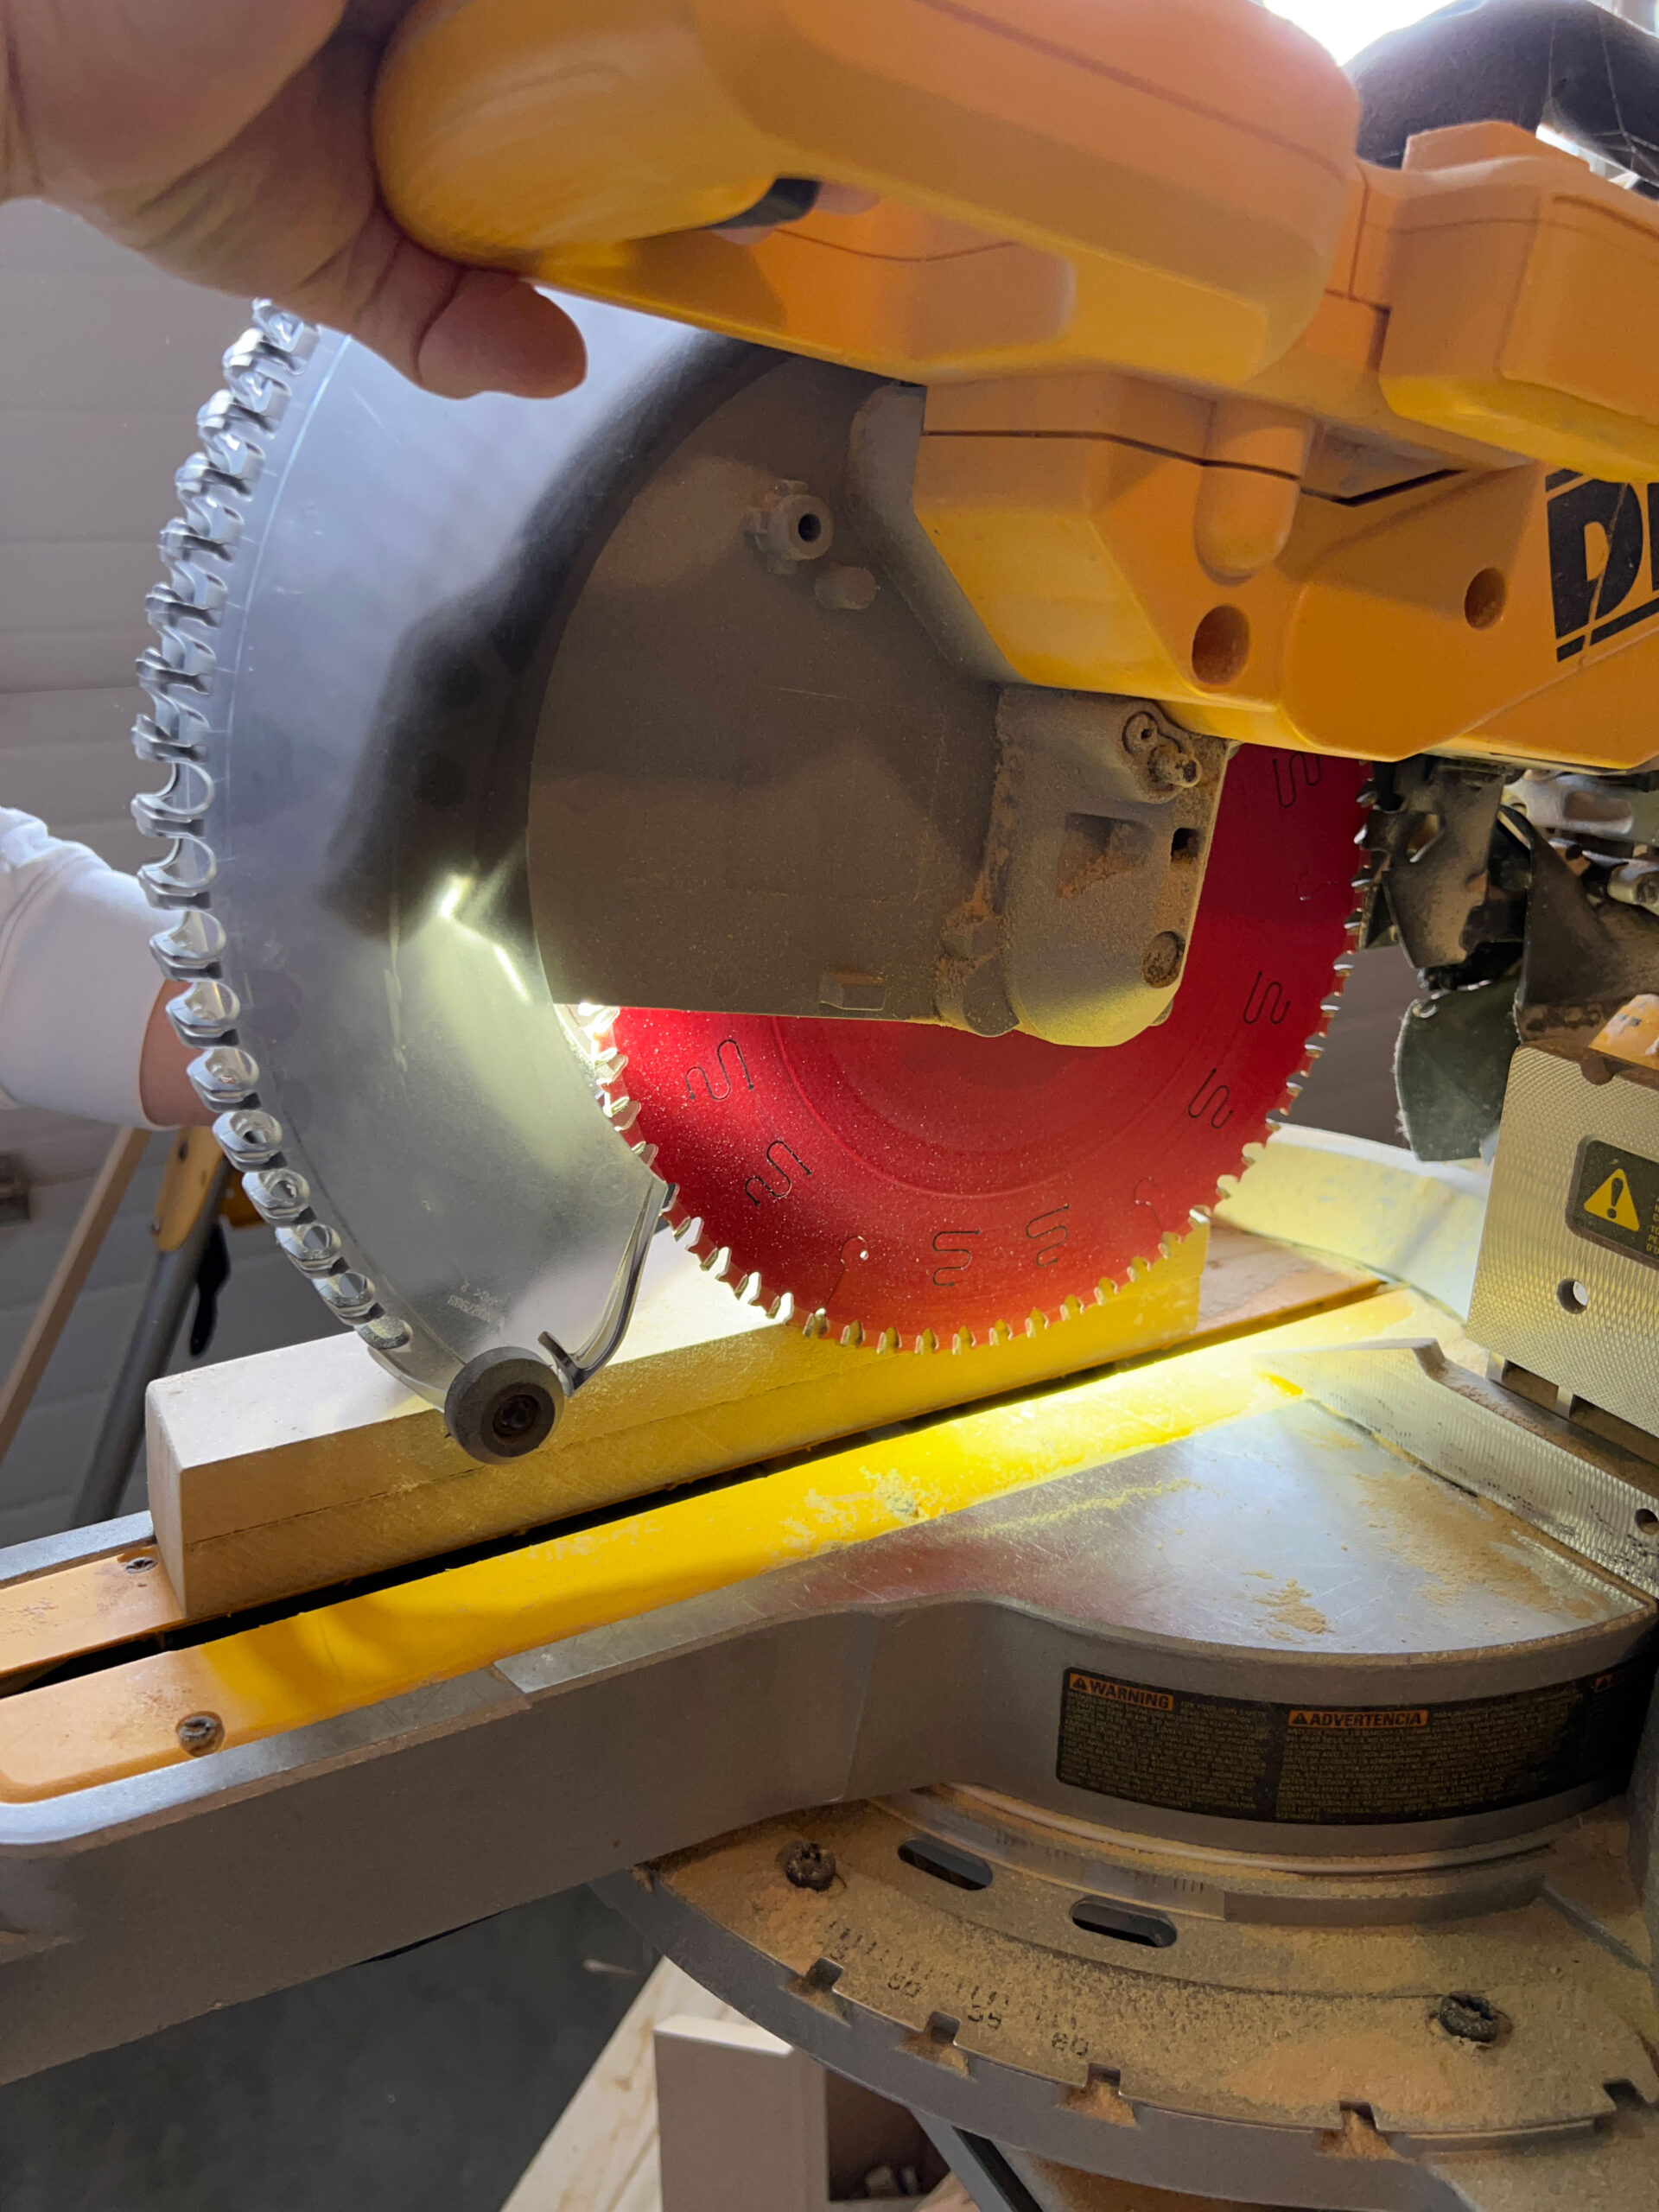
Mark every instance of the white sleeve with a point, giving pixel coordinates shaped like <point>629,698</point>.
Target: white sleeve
<point>77,977</point>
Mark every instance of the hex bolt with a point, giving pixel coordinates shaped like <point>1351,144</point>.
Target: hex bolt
<point>1636,884</point>
<point>200,1732</point>
<point>1472,2020</point>
<point>809,1866</point>
<point>1170,763</point>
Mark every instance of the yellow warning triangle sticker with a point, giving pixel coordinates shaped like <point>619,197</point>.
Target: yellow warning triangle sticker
<point>1612,1202</point>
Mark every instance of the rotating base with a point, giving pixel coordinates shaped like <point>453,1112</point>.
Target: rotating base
<point>1398,2032</point>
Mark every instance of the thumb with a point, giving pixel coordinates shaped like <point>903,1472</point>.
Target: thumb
<point>452,330</point>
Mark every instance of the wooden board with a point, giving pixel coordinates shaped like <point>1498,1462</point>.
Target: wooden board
<point>97,1602</point>
<point>601,2155</point>
<point>309,1466</point>
<point>691,2108</point>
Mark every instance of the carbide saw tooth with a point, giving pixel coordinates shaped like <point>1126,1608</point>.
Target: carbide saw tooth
<point>204,549</point>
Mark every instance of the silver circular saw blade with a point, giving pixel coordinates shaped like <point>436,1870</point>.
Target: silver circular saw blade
<point>361,588</point>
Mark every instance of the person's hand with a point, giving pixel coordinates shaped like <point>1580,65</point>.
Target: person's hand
<point>228,140</point>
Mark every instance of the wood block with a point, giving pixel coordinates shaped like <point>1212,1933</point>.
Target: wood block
<point>739,2120</point>
<point>311,1466</point>
<point>745,2121</point>
<point>601,2155</point>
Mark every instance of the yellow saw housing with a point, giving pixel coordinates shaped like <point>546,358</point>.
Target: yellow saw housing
<point>1323,454</point>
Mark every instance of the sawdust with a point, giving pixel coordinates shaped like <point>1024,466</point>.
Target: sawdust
<point>828,1524</point>
<point>898,1499</point>
<point>1044,1513</point>
<point>1293,1611</point>
<point>1458,1545</point>
<point>1357,2138</point>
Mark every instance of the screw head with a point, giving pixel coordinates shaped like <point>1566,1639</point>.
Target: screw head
<point>200,1732</point>
<point>140,1563</point>
<point>809,1866</point>
<point>502,1404</point>
<point>512,1416</point>
<point>1471,2019</point>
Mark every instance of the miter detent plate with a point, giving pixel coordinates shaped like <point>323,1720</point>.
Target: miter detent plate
<point>908,1184</point>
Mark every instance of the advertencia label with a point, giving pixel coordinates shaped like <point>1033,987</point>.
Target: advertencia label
<point>1346,1765</point>
<point>1615,1200</point>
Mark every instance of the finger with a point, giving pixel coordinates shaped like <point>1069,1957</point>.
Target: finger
<point>455,331</point>
<point>312,233</point>
<point>498,334</point>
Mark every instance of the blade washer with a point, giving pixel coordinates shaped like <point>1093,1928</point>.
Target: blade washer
<point>912,1185</point>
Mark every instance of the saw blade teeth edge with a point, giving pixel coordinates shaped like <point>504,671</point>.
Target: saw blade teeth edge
<point>199,549</point>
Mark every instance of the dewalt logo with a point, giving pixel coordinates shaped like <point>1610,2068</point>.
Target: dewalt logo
<point>1604,558</point>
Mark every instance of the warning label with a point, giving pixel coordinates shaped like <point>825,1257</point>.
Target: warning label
<point>1346,1765</point>
<point>1616,1201</point>
<point>1411,1716</point>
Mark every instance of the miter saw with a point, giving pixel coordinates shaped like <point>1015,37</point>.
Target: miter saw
<point>1080,518</point>
<point>961,712</point>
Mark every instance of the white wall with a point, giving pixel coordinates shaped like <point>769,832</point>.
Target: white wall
<point>103,364</point>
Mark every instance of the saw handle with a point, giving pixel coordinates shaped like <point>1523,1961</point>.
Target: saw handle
<point>1191,158</point>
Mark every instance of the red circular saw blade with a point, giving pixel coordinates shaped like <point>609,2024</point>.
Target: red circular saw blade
<point>910,1183</point>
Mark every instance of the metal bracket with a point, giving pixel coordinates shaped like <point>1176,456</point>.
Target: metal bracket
<point>1102,818</point>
